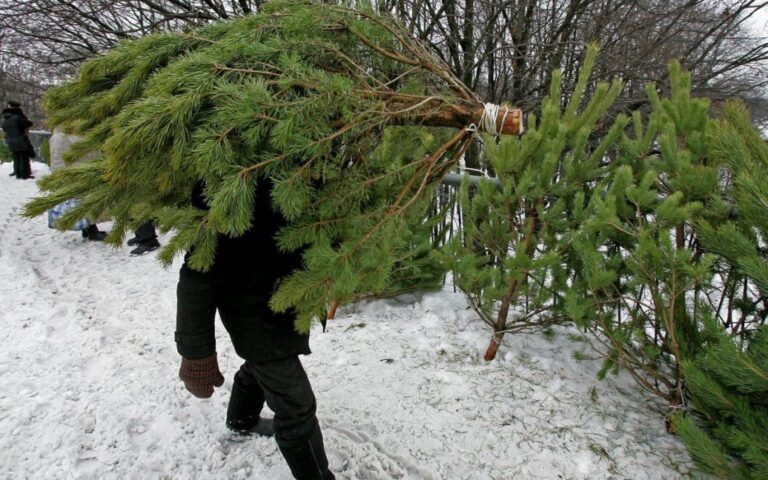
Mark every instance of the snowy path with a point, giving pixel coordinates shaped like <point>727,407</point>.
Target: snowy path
<point>90,391</point>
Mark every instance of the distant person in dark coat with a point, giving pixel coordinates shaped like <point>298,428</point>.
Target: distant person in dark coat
<point>15,127</point>
<point>239,285</point>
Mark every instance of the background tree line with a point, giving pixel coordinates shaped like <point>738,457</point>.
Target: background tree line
<point>504,50</point>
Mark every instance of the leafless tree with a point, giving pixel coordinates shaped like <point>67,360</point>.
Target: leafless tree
<point>504,49</point>
<point>66,32</point>
<point>44,41</point>
<point>509,48</point>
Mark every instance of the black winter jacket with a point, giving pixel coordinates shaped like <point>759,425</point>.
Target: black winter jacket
<point>239,285</point>
<point>15,125</point>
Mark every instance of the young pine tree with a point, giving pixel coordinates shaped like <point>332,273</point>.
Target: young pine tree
<point>508,249</point>
<point>727,434</point>
<point>639,273</point>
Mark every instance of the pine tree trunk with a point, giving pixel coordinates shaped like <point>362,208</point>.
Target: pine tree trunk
<point>512,287</point>
<point>493,347</point>
<point>332,311</point>
<point>457,114</point>
<point>675,405</point>
<point>501,322</point>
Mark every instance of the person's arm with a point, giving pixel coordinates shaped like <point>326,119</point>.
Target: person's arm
<point>195,314</point>
<point>195,332</point>
<point>26,124</point>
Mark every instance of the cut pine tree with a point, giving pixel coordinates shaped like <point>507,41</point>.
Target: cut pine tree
<point>337,107</point>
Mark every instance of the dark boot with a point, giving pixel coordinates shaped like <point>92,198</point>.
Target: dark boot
<point>243,412</point>
<point>145,239</point>
<point>306,457</point>
<point>146,247</point>
<point>93,233</point>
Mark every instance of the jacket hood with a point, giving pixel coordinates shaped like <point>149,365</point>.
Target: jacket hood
<point>11,111</point>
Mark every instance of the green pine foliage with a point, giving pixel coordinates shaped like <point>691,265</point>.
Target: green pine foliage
<point>5,152</point>
<point>734,142</point>
<point>45,151</point>
<point>509,248</point>
<point>304,94</point>
<point>379,255</point>
<point>727,434</point>
<point>638,273</point>
<point>728,384</point>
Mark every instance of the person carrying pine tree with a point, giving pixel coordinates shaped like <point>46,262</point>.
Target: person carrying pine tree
<point>245,272</point>
<point>258,111</point>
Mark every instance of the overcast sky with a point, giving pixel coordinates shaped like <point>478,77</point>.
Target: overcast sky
<point>760,23</point>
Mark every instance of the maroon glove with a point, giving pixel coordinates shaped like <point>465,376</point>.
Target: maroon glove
<point>201,375</point>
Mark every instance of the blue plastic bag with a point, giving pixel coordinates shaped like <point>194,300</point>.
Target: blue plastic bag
<point>59,210</point>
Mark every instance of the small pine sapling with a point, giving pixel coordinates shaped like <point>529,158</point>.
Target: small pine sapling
<point>508,249</point>
<point>640,276</point>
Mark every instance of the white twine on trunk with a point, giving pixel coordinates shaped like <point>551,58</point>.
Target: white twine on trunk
<point>488,123</point>
<point>488,118</point>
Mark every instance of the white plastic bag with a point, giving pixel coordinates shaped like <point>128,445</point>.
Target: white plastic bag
<point>59,210</point>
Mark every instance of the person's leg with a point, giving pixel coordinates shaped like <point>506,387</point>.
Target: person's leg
<point>18,160</point>
<point>289,394</point>
<point>27,163</point>
<point>146,239</point>
<point>15,165</point>
<point>146,232</point>
<point>21,162</point>
<point>245,405</point>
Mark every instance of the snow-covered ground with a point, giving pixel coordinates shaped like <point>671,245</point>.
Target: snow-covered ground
<point>89,386</point>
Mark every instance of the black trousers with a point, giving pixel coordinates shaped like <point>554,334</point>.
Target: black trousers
<point>21,166</point>
<point>284,385</point>
<point>146,232</point>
